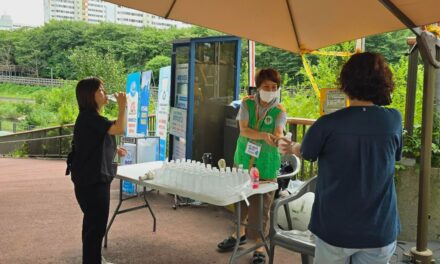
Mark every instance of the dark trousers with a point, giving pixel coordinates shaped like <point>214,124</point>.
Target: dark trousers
<point>94,201</point>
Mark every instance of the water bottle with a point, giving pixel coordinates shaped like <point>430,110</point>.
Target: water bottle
<point>255,177</point>
<point>283,142</point>
<point>112,98</point>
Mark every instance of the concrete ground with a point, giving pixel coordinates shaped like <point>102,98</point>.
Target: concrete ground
<point>40,222</point>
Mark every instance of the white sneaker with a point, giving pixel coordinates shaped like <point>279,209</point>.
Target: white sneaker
<point>103,261</point>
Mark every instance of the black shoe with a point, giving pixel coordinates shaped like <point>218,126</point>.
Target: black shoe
<point>258,258</point>
<point>229,243</point>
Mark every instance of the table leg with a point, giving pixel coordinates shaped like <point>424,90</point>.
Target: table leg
<point>237,224</point>
<point>114,214</point>
<point>149,208</point>
<point>259,228</point>
<point>260,224</point>
<point>117,211</point>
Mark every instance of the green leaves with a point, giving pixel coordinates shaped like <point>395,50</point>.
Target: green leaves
<point>391,45</point>
<point>88,62</point>
<point>155,64</point>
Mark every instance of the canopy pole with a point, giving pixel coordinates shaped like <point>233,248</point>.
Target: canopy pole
<point>429,47</point>
<point>411,87</point>
<point>421,253</point>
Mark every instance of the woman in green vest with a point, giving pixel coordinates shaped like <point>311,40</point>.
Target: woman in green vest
<point>262,120</point>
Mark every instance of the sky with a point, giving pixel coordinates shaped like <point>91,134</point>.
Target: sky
<point>24,12</point>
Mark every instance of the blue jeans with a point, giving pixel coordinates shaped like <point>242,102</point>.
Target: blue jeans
<point>328,254</point>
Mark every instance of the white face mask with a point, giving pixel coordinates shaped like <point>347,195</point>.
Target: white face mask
<point>268,96</point>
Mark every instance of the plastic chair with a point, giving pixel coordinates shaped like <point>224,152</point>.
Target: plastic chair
<point>292,160</point>
<point>284,176</point>
<point>286,238</point>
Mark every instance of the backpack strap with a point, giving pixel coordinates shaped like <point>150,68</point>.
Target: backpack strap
<point>70,157</point>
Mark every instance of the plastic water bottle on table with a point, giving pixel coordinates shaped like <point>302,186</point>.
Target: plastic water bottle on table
<point>255,177</point>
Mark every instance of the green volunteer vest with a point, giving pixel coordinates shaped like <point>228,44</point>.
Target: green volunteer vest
<point>268,163</point>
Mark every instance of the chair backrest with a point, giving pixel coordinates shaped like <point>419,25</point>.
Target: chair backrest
<point>292,160</point>
<point>308,186</point>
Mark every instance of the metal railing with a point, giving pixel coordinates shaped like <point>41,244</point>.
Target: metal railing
<point>15,126</point>
<point>56,141</point>
<point>34,81</point>
<point>51,142</point>
<point>46,142</point>
<point>298,128</point>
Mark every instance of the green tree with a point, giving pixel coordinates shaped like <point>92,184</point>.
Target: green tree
<point>391,45</point>
<point>155,64</point>
<point>283,61</point>
<point>88,62</point>
<point>56,40</point>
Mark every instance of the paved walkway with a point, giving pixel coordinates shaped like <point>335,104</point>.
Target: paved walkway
<point>40,222</point>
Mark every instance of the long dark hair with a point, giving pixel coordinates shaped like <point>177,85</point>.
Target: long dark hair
<point>85,93</point>
<point>367,77</point>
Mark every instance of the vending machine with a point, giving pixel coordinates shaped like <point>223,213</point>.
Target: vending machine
<point>205,77</point>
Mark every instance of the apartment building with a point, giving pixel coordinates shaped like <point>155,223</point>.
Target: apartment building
<point>96,11</point>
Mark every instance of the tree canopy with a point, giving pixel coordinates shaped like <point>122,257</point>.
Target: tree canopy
<point>53,46</point>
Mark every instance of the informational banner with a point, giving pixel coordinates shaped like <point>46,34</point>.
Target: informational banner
<point>144,102</point>
<point>331,100</point>
<point>132,90</point>
<point>178,112</point>
<point>182,85</point>
<point>163,109</point>
<point>178,122</point>
<point>179,148</point>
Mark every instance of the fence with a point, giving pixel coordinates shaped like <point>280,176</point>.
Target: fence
<point>16,70</point>
<point>298,128</point>
<point>54,142</point>
<point>33,81</point>
<point>15,126</point>
<point>47,142</point>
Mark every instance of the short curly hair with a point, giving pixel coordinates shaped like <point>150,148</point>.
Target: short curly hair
<point>367,77</point>
<point>268,74</point>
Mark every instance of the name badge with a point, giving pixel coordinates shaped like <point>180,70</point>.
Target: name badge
<point>253,149</point>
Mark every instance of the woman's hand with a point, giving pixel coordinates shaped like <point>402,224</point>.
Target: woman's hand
<point>292,148</point>
<point>269,138</point>
<point>121,99</point>
<point>287,148</point>
<point>121,151</point>
<point>284,145</point>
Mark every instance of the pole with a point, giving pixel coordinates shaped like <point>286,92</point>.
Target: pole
<point>360,45</point>
<point>411,86</point>
<point>421,253</point>
<point>251,63</point>
<point>429,47</point>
